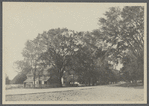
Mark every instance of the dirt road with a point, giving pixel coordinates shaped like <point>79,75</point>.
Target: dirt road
<point>95,93</point>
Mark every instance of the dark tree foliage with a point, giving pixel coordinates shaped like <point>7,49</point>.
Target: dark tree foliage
<point>7,80</point>
<point>124,31</point>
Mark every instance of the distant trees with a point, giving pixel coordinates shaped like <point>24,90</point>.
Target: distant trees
<point>7,80</point>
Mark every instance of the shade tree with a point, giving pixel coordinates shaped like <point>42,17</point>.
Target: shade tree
<point>123,30</point>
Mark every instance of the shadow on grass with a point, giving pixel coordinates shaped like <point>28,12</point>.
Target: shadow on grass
<point>129,85</point>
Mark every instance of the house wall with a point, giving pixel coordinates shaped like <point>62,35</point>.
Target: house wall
<point>52,82</point>
<point>41,84</point>
<point>28,85</point>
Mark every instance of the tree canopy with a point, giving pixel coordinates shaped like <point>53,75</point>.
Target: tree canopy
<point>92,55</point>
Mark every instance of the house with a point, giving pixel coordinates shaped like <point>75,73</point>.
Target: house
<point>48,78</point>
<point>42,79</point>
<point>69,78</point>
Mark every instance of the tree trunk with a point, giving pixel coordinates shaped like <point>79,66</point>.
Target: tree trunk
<point>40,83</point>
<point>89,81</point>
<point>34,75</point>
<point>60,81</point>
<point>34,80</point>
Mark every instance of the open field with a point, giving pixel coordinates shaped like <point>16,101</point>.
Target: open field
<point>93,93</point>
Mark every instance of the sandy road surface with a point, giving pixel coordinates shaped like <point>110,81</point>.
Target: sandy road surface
<point>42,90</point>
<point>95,93</point>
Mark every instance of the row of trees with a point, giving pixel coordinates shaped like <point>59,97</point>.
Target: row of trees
<point>91,55</point>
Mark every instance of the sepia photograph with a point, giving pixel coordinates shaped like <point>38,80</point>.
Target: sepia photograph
<point>74,53</point>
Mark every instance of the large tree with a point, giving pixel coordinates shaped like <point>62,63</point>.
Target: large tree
<point>60,47</point>
<point>123,30</point>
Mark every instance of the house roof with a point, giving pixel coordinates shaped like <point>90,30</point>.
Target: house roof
<point>44,78</point>
<point>28,80</point>
<point>41,79</point>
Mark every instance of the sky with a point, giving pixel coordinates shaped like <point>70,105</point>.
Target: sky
<point>24,21</point>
